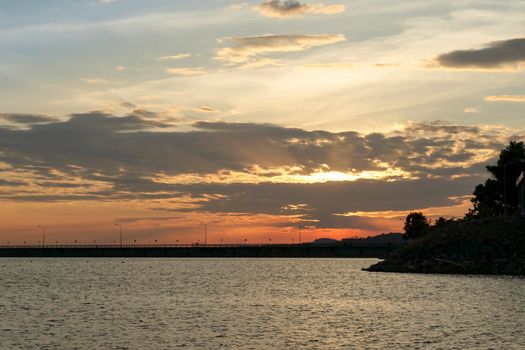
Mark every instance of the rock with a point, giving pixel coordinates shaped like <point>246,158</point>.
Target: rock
<point>487,246</point>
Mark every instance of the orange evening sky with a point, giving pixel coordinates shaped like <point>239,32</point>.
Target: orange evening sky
<point>256,117</point>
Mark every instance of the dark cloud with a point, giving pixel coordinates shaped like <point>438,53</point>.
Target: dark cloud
<point>141,113</point>
<point>495,55</point>
<point>333,197</point>
<point>206,109</point>
<point>20,118</point>
<point>159,218</point>
<point>48,184</point>
<point>50,198</point>
<point>128,105</point>
<point>103,121</point>
<point>294,8</point>
<point>12,183</point>
<point>103,147</point>
<point>322,202</point>
<point>123,158</point>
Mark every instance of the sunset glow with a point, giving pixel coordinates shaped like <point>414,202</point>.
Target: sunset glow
<point>255,117</point>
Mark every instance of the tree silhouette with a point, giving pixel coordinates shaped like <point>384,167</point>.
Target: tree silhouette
<point>416,226</point>
<point>440,222</point>
<point>499,195</point>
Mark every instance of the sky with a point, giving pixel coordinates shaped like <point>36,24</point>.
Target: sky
<point>260,118</point>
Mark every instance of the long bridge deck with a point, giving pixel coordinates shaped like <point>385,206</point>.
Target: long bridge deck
<point>197,250</point>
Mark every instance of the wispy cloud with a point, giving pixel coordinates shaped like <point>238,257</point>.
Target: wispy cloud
<point>247,48</point>
<point>496,55</point>
<point>94,81</point>
<point>294,8</point>
<point>21,118</point>
<point>330,65</point>
<point>505,98</point>
<point>236,6</point>
<point>147,218</point>
<point>260,62</point>
<point>206,109</point>
<point>470,110</point>
<point>178,56</point>
<point>186,71</point>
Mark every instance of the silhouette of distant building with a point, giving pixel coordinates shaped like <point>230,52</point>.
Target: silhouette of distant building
<point>520,183</point>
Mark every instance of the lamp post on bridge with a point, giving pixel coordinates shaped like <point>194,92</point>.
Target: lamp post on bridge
<point>43,235</point>
<point>120,229</point>
<point>205,232</point>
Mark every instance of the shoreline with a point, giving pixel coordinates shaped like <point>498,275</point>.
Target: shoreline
<point>490,246</point>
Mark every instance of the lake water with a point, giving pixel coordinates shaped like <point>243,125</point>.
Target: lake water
<point>251,304</point>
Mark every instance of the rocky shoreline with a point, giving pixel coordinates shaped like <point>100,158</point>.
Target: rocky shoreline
<point>491,246</point>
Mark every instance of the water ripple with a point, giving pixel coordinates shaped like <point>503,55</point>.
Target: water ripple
<point>251,304</point>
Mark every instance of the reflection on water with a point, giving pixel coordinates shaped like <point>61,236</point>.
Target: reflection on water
<point>251,304</point>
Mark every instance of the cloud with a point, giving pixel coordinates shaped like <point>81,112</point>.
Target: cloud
<point>147,218</point>
<point>260,62</point>
<point>104,122</point>
<point>236,6</point>
<point>329,65</point>
<point>120,68</point>
<point>206,109</point>
<point>186,71</point>
<point>178,56</point>
<point>128,105</point>
<point>505,98</point>
<point>11,183</point>
<point>20,118</point>
<point>294,8</point>
<point>263,150</point>
<point>496,55</point>
<point>94,81</point>
<point>219,167</point>
<point>51,184</point>
<point>247,48</point>
<point>323,203</point>
<point>470,110</point>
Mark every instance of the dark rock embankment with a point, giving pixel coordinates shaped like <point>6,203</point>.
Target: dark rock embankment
<point>493,246</point>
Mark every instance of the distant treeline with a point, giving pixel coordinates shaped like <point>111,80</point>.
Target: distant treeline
<point>498,196</point>
<point>392,239</point>
<point>489,239</point>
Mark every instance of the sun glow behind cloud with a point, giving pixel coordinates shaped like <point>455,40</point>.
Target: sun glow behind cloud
<point>257,116</point>
<point>282,175</point>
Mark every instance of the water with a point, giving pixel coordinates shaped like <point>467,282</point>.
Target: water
<point>251,304</point>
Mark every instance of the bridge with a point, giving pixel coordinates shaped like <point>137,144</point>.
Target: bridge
<point>304,250</point>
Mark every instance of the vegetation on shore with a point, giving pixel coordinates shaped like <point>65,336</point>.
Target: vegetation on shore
<point>470,246</point>
<point>490,239</point>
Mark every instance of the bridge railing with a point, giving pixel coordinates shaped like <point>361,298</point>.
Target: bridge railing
<point>141,246</point>
<point>186,245</point>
